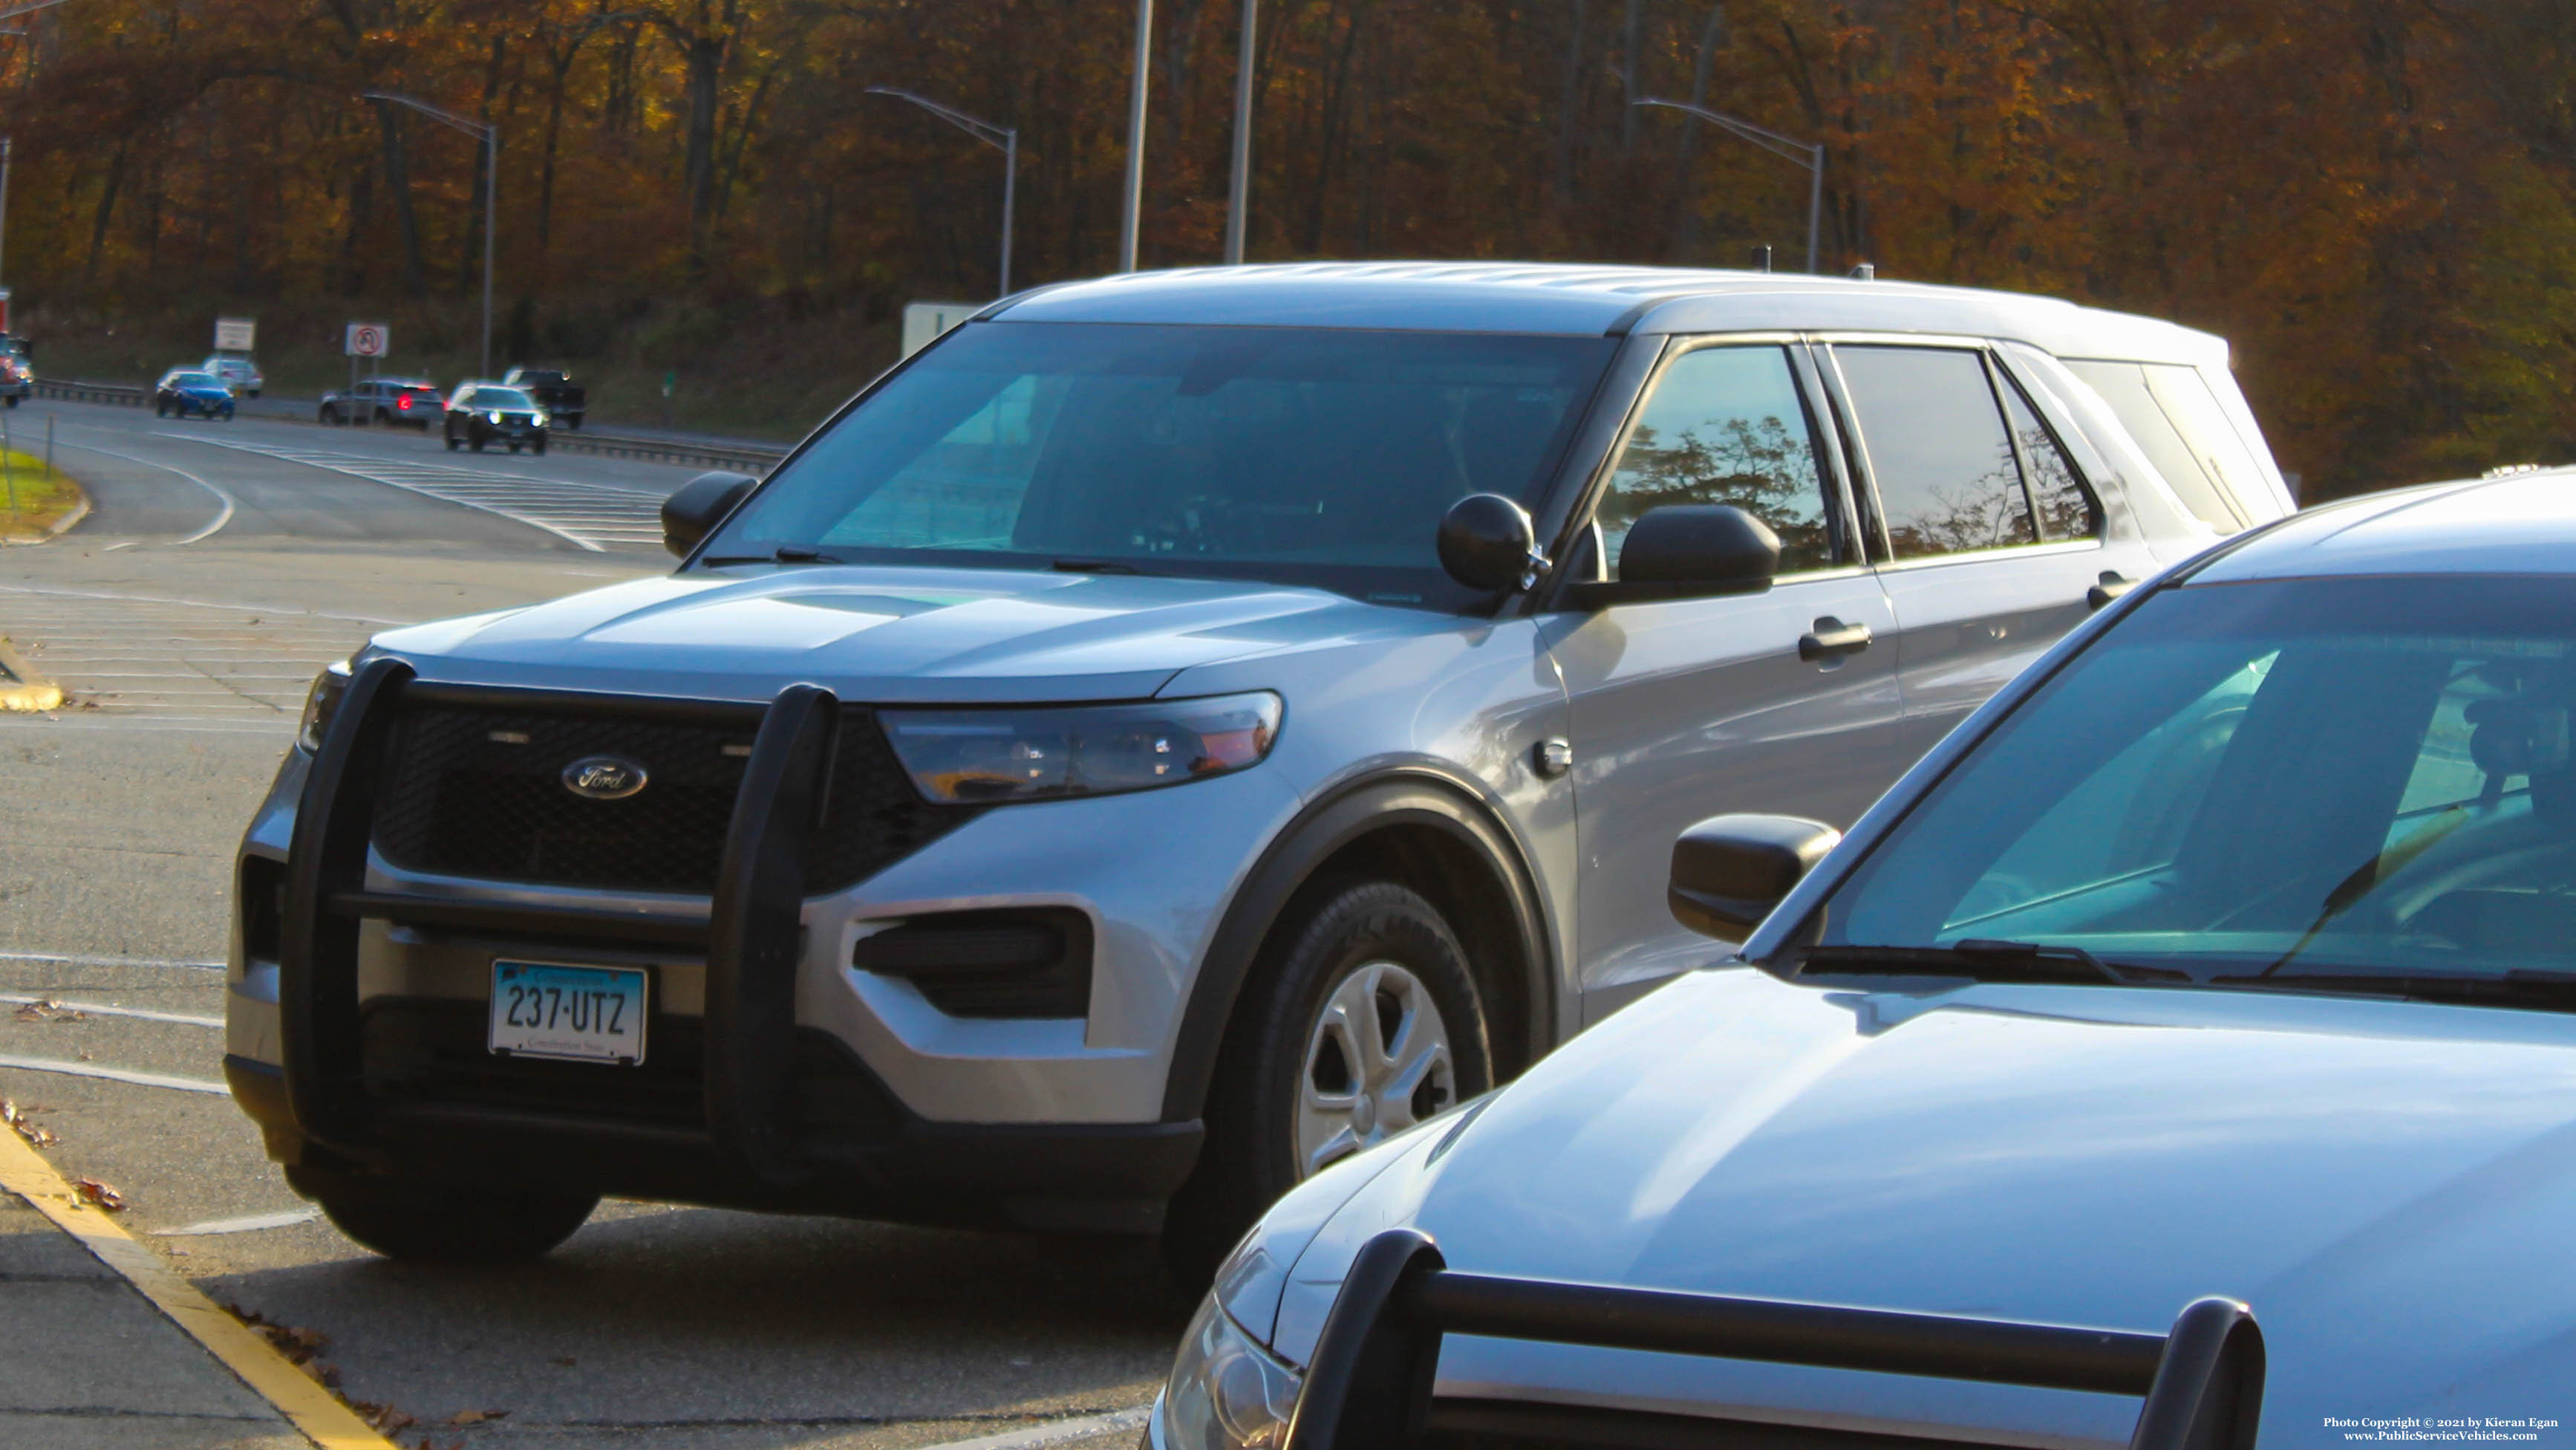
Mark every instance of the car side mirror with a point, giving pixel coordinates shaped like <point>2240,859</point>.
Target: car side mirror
<point>1729,871</point>
<point>1687,551</point>
<point>1487,542</point>
<point>695,508</point>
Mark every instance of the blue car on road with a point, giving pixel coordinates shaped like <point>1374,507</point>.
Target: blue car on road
<point>183,391</point>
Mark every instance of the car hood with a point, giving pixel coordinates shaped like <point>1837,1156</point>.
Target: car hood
<point>890,634</point>
<point>2389,1185</point>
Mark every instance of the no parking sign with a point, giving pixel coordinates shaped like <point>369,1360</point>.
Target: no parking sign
<point>369,339</point>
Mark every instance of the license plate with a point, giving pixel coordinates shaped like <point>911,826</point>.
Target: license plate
<point>591,1014</point>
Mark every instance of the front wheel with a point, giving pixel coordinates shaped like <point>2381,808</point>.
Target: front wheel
<point>1362,1019</point>
<point>537,446</point>
<point>451,443</point>
<point>160,407</point>
<point>439,1222</point>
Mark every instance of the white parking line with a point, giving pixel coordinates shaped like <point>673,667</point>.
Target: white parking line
<point>250,1223</point>
<point>114,1074</point>
<point>591,515</point>
<point>222,517</point>
<point>1056,1432</point>
<point>79,959</point>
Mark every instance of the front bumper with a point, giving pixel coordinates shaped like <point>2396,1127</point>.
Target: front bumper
<point>884,1106</point>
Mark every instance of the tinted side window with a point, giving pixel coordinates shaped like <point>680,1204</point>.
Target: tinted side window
<point>1947,479</point>
<point>2066,510</point>
<point>1725,425</point>
<point>2169,411</point>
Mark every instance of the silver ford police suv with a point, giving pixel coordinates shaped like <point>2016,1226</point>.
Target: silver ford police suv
<point>1168,735</point>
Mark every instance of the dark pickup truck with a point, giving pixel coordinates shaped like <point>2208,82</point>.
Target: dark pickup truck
<point>561,397</point>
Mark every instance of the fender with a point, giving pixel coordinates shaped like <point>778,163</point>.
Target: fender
<point>1414,796</point>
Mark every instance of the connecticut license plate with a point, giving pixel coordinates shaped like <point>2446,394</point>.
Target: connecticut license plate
<point>595,1014</point>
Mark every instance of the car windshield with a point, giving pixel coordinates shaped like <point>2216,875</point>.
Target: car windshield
<point>502,398</point>
<point>539,379</point>
<point>195,380</point>
<point>2320,783</point>
<point>1310,456</point>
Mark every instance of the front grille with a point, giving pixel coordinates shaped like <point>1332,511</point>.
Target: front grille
<point>480,793</point>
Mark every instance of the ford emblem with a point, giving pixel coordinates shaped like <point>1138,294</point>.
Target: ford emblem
<point>603,778</point>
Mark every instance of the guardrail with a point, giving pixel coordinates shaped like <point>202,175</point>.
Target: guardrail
<point>750,457</point>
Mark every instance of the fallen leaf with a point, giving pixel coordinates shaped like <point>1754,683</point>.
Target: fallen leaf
<point>16,1117</point>
<point>566,1360</point>
<point>101,1194</point>
<point>475,1417</point>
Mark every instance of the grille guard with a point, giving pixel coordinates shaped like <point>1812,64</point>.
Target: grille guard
<point>751,935</point>
<point>1368,1386</point>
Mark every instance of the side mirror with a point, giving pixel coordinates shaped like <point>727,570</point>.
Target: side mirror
<point>1729,871</point>
<point>1688,551</point>
<point>695,508</point>
<point>1488,542</point>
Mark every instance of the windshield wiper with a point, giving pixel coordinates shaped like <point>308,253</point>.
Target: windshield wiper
<point>1093,566</point>
<point>1986,960</point>
<point>783,554</point>
<point>2552,991</point>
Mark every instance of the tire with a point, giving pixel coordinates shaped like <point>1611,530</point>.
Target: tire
<point>475,442</point>
<point>327,418</point>
<point>537,446</point>
<point>437,1222</point>
<point>514,445</point>
<point>451,443</point>
<point>160,407</point>
<point>1365,968</point>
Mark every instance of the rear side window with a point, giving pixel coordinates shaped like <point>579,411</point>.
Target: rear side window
<point>2057,494</point>
<point>1725,425</point>
<point>2184,432</point>
<point>1947,476</point>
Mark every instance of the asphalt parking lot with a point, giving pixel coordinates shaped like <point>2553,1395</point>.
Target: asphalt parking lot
<point>221,566</point>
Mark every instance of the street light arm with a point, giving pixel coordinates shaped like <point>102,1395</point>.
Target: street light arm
<point>1788,148</point>
<point>997,137</point>
<point>479,130</point>
<point>24,9</point>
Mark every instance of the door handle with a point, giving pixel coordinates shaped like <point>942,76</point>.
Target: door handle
<point>1831,638</point>
<point>2109,587</point>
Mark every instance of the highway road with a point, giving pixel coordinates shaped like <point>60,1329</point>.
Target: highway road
<point>222,565</point>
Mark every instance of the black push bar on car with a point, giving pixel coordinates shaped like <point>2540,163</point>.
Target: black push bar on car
<point>1368,1386</point>
<point>751,932</point>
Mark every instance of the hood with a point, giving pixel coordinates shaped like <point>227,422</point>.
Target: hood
<point>890,634</point>
<point>2389,1185</point>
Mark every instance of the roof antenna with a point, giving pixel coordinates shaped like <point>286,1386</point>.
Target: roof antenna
<point>1865,272</point>
<point>1762,258</point>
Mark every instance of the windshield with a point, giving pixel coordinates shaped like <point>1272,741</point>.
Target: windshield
<point>2365,778</point>
<point>195,380</point>
<point>1301,455</point>
<point>538,379</point>
<point>502,398</point>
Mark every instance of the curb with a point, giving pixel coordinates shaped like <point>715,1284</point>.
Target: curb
<point>315,1412</point>
<point>21,688</point>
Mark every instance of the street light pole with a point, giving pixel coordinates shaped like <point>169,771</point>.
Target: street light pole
<point>1238,195</point>
<point>1005,139</point>
<point>1131,212</point>
<point>1809,154</point>
<point>490,136</point>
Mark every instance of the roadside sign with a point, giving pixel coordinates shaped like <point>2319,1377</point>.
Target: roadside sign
<point>370,339</point>
<point>924,321</point>
<point>233,334</point>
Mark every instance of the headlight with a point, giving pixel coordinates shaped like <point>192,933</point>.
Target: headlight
<point>991,756</point>
<point>539,418</point>
<point>496,417</point>
<point>1226,1392</point>
<point>320,703</point>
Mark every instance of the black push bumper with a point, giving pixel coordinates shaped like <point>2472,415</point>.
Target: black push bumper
<point>742,1108</point>
<point>1368,1386</point>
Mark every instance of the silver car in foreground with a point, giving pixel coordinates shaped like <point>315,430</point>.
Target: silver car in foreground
<point>2186,1040</point>
<point>1170,734</point>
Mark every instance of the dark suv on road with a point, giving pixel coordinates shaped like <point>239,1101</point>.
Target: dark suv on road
<point>1170,733</point>
<point>485,413</point>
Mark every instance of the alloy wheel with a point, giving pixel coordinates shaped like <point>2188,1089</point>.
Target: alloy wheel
<point>1377,1062</point>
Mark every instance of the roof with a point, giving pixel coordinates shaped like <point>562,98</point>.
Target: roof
<point>1578,300</point>
<point>2522,523</point>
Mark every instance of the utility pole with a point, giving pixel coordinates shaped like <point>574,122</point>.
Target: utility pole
<point>1238,194</point>
<point>1131,213</point>
<point>490,136</point>
<point>1005,139</point>
<point>4,205</point>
